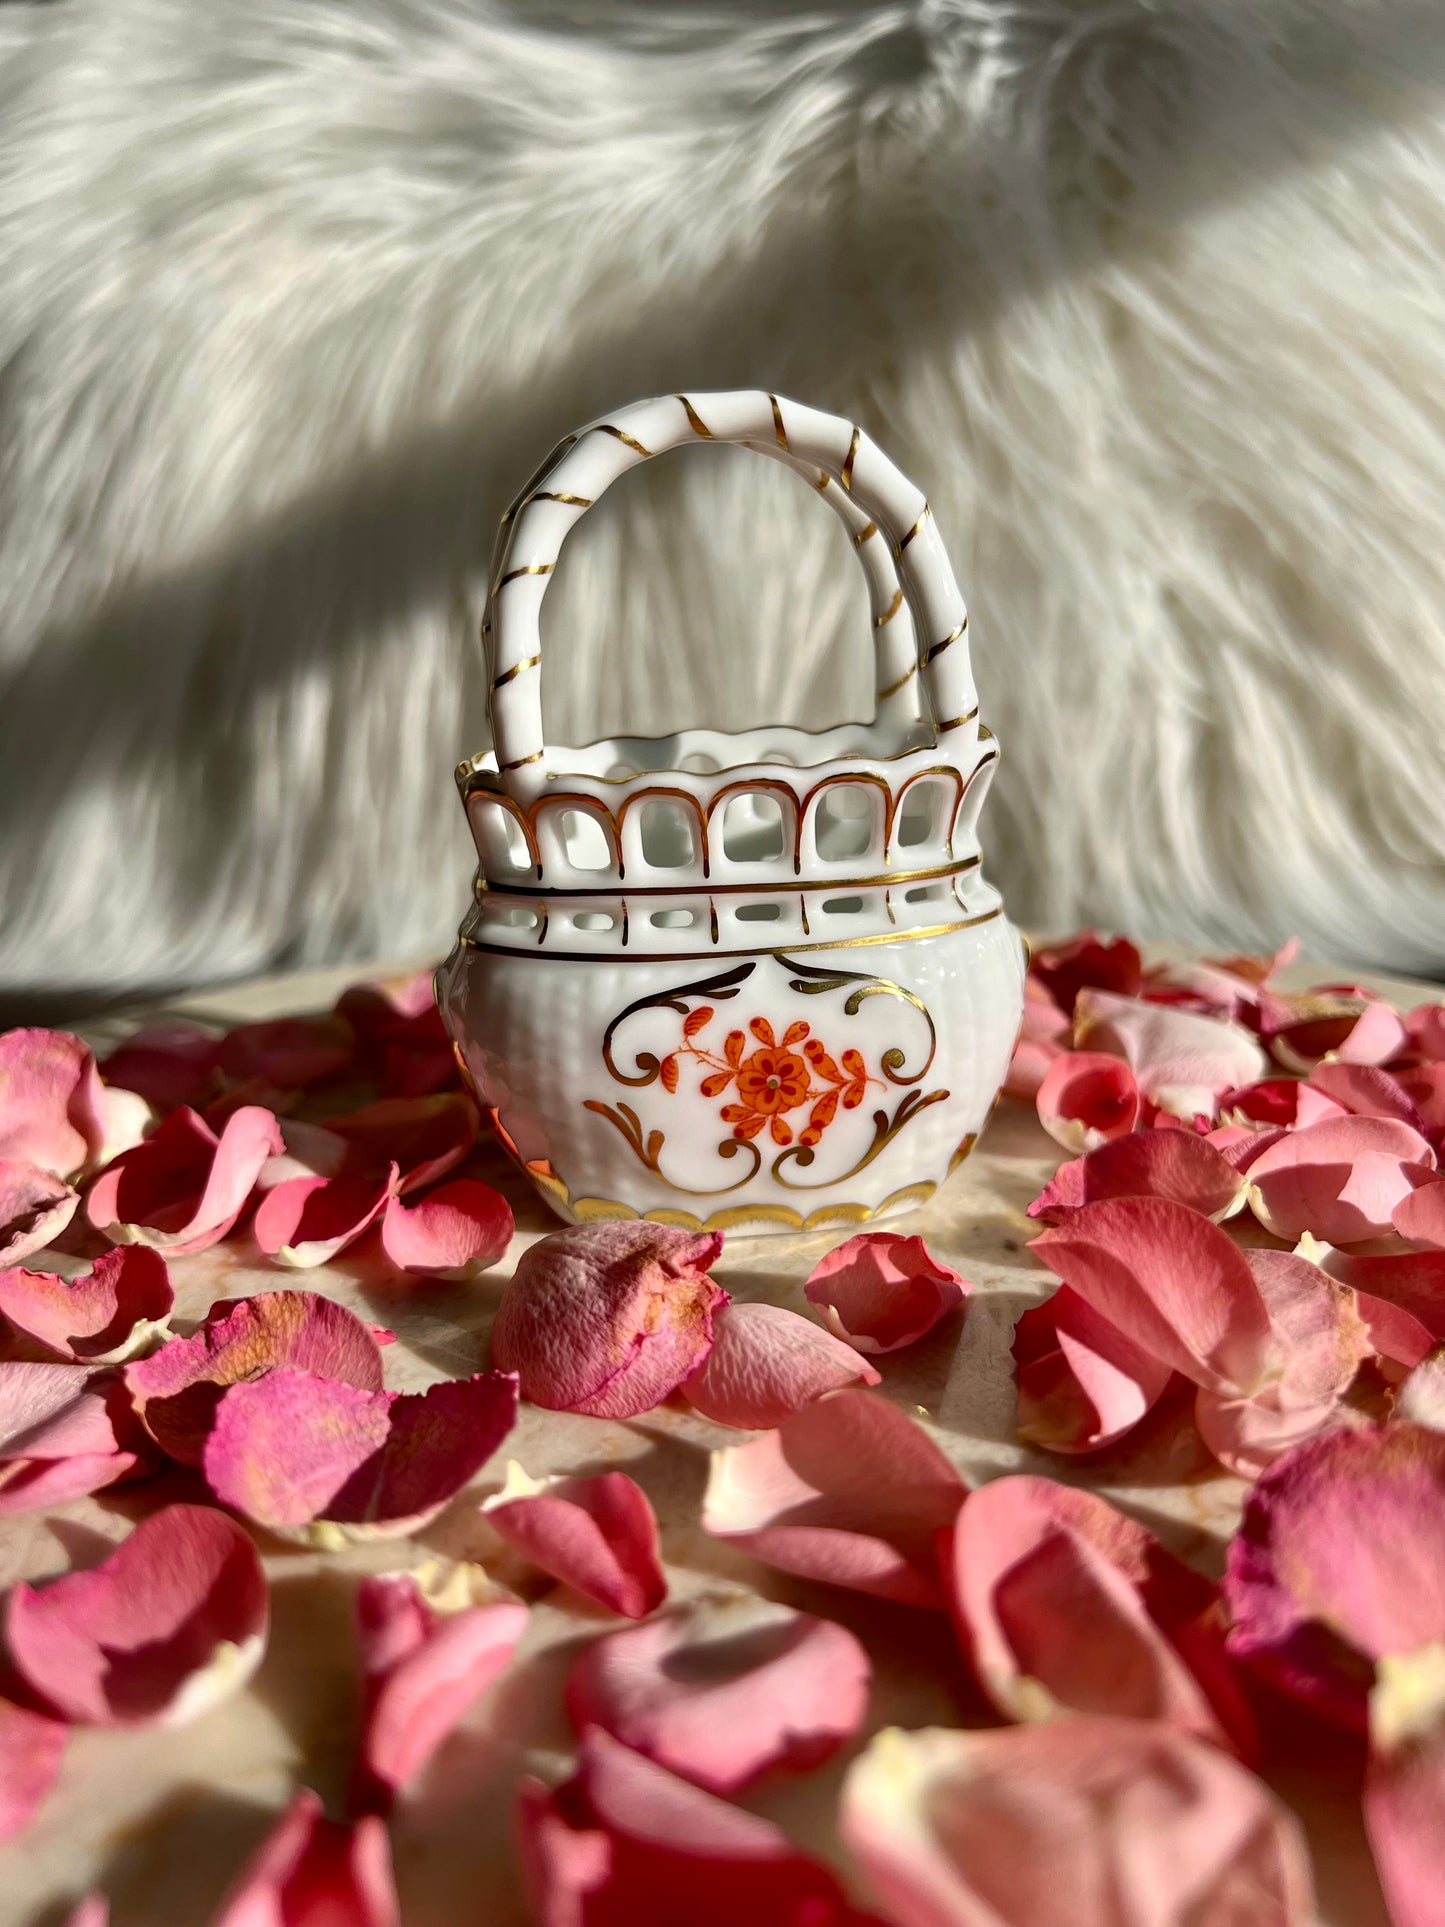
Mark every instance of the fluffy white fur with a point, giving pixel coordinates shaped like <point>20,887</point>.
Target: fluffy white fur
<point>292,296</point>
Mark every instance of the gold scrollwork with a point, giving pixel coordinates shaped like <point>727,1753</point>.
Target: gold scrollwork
<point>885,1129</point>
<point>722,987</point>
<point>812,980</point>
<point>649,1149</point>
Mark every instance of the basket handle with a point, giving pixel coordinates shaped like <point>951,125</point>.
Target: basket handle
<point>920,622</point>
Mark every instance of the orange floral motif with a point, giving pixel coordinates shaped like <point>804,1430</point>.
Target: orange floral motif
<point>777,1076</point>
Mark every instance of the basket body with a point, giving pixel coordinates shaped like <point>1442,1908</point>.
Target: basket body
<point>746,982</point>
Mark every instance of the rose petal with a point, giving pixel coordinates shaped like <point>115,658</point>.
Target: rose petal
<point>426,1136</point>
<point>1183,1061</point>
<point>880,1291</point>
<point>1404,1798</point>
<point>1339,1179</point>
<point>402,1033</point>
<point>35,1207</point>
<point>1364,1090</point>
<point>93,1911</point>
<point>626,1841</point>
<point>608,1318</point>
<point>422,1668</point>
<point>52,1105</point>
<point>177,1389</point>
<point>1086,1098</point>
<point>455,1231</point>
<point>315,1872</point>
<point>287,1053</point>
<point>65,1430</point>
<point>1087,962</point>
<point>794,1498</point>
<point>1421,1399</point>
<point>184,1188</point>
<point>1419,1217</point>
<point>328,1462</point>
<point>726,1690</point>
<point>1064,1605</point>
<point>169,1063</point>
<point>766,1363</point>
<point>307,1221</point>
<point>1044,1032</point>
<point>1082,1383</point>
<point>31,1747</point>
<point>597,1535</point>
<point>1332,1020</point>
<point>1339,1560</point>
<point>1137,1825</point>
<point>169,1624</point>
<point>1279,1103</point>
<point>119,1307</point>
<point>1147,1164</point>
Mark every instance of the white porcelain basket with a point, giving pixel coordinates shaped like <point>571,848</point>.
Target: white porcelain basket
<point>750,981</point>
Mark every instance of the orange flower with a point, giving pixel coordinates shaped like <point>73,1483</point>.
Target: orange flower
<point>773,1080</point>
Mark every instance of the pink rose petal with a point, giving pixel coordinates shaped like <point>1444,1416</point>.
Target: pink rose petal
<point>65,1430</point>
<point>1087,962</point>
<point>880,1291</point>
<point>1087,1097</point>
<point>287,1053</point>
<point>725,1690</point>
<point>1044,1033</point>
<point>169,1063</point>
<point>1332,1020</point>
<point>625,1842</point>
<point>1097,1822</point>
<point>402,1034</point>
<point>1279,1103</point>
<point>1339,1180</point>
<point>169,1624</point>
<point>1184,1062</point>
<point>426,1136</point>
<point>1424,1085</point>
<point>307,1221</point>
<point>608,1318</point>
<point>1340,1560</point>
<point>184,1188</point>
<point>35,1207</point>
<point>1421,1399</point>
<point>1065,1605</point>
<point>794,1498</point>
<point>31,1747</point>
<point>597,1535</point>
<point>1419,1217</point>
<point>1425,1029</point>
<point>326,1462</point>
<point>108,1314</point>
<point>766,1363</point>
<point>93,1911</point>
<point>1364,1090</point>
<point>422,1668</point>
<point>52,1104</point>
<point>1404,1798</point>
<point>455,1231</point>
<point>1147,1164</point>
<point>177,1389</point>
<point>1082,1384</point>
<point>315,1872</point>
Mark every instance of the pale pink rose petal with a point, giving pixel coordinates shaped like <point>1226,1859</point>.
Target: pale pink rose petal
<point>794,1498</point>
<point>169,1063</point>
<point>1082,1384</point>
<point>455,1231</point>
<point>1419,1217</point>
<point>767,1362</point>
<point>1401,1297</point>
<point>1028,1067</point>
<point>1425,1028</point>
<point>35,1207</point>
<point>168,1625</point>
<point>1340,1560</point>
<point>307,1221</point>
<point>1087,962</point>
<point>1421,1398</point>
<point>119,1307</point>
<point>184,1188</point>
<point>65,1430</point>
<point>1165,1277</point>
<point>52,1104</point>
<point>1364,1090</point>
<point>597,1535</point>
<point>1239,1146</point>
<point>426,1136</point>
<point>1099,1822</point>
<point>327,1463</point>
<point>1403,1801</point>
<point>881,1291</point>
<point>625,1841</point>
<point>310,1151</point>
<point>31,1747</point>
<point>93,1911</point>
<point>421,1669</point>
<point>177,1389</point>
<point>608,1318</point>
<point>1147,1164</point>
<point>314,1872</point>
<point>1086,1098</point>
<point>1064,1605</point>
<point>726,1690</point>
<point>287,1053</point>
<point>1339,1180</point>
<point>1184,1062</point>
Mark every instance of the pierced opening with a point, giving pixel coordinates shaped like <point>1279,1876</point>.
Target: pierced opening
<point>842,906</point>
<point>519,918</point>
<point>594,920</point>
<point>619,772</point>
<point>667,836</point>
<point>753,828</point>
<point>673,919</point>
<point>759,913</point>
<point>585,841</point>
<point>918,819</point>
<point>700,763</point>
<point>924,893</point>
<point>843,825</point>
<point>500,842</point>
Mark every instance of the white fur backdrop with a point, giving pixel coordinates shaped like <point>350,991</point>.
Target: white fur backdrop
<point>1147,294</point>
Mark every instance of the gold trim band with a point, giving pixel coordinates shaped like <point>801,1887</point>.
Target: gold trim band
<point>527,662</point>
<point>694,420</point>
<point>631,441</point>
<point>778,428</point>
<point>846,478</point>
<point>707,956</point>
<point>555,495</point>
<point>927,511</point>
<point>893,688</point>
<point>932,655</point>
<point>535,757</point>
<point>532,568</point>
<point>832,886</point>
<point>890,612</point>
<point>957,722</point>
<point>863,534</point>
